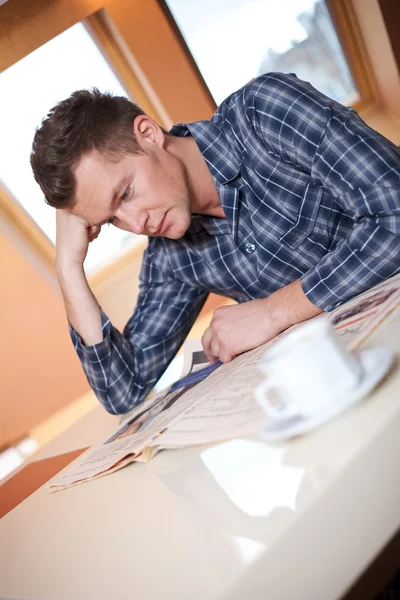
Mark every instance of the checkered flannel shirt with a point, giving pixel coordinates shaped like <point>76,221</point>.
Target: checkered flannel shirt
<point>309,191</point>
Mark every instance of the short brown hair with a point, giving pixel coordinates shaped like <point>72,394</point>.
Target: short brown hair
<point>87,120</point>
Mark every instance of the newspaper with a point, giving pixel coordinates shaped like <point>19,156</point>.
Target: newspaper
<point>214,402</point>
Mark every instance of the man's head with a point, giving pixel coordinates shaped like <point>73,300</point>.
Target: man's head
<point>100,157</point>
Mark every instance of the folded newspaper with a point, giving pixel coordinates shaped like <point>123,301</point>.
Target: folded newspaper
<point>213,402</point>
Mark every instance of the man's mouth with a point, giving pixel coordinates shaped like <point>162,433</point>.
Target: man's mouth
<point>160,226</point>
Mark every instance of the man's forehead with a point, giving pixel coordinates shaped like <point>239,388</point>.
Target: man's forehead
<point>91,176</point>
<point>89,167</point>
<point>94,167</point>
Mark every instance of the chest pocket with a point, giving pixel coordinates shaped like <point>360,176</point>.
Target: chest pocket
<point>307,216</point>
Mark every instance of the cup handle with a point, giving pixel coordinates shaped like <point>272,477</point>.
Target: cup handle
<point>261,397</point>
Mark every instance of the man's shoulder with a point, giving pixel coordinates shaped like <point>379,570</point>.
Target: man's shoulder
<point>267,83</point>
<point>273,80</point>
<point>270,91</point>
<point>268,86</point>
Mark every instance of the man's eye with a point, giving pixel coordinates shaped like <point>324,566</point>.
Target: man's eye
<point>126,193</point>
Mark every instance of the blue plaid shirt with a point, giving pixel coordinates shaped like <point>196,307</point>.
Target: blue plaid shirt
<point>309,191</point>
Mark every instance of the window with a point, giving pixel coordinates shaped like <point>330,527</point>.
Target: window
<point>28,89</point>
<point>233,41</point>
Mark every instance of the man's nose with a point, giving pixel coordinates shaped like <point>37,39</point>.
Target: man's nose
<point>134,221</point>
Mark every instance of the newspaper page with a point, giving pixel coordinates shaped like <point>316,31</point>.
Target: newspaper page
<point>228,409</point>
<point>146,423</point>
<point>214,402</point>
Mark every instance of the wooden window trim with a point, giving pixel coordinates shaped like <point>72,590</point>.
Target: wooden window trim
<point>350,37</point>
<point>111,46</point>
<point>26,227</point>
<point>186,51</point>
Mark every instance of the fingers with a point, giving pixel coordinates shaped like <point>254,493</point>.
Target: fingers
<point>214,348</point>
<point>206,341</point>
<point>93,232</point>
<point>226,355</point>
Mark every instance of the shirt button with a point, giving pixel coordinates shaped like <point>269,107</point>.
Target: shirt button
<point>250,248</point>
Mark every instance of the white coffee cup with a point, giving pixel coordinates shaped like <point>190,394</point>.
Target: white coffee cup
<point>306,370</point>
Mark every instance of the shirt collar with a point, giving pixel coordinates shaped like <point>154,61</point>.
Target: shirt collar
<point>224,166</point>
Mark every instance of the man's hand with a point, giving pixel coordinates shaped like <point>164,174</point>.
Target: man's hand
<point>236,329</point>
<point>83,311</point>
<point>73,235</point>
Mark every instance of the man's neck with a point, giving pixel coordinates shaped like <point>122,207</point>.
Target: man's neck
<point>204,196</point>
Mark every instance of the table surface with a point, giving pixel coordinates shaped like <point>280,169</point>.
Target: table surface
<point>238,519</point>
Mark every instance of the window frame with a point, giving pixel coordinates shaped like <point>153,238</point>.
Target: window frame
<point>146,50</point>
<point>349,34</point>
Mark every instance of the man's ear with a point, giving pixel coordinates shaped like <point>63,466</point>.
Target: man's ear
<point>147,131</point>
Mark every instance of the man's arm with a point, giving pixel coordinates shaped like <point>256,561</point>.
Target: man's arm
<point>72,241</point>
<point>236,329</point>
<point>123,367</point>
<point>359,168</point>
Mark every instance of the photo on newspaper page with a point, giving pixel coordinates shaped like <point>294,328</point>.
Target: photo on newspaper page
<point>356,319</point>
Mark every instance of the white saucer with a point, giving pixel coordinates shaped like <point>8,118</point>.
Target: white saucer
<point>375,363</point>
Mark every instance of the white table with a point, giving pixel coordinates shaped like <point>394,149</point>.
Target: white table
<point>239,519</point>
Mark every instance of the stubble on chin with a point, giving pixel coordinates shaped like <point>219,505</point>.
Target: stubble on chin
<point>175,233</point>
<point>179,224</point>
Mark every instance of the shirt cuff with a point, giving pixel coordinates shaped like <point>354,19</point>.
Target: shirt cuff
<point>98,351</point>
<point>318,292</point>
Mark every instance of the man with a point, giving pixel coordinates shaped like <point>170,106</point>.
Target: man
<point>284,201</point>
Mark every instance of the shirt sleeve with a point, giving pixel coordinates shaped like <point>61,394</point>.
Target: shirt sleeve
<point>359,168</point>
<point>124,367</point>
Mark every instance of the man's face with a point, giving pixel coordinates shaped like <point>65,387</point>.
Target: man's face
<point>145,194</point>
